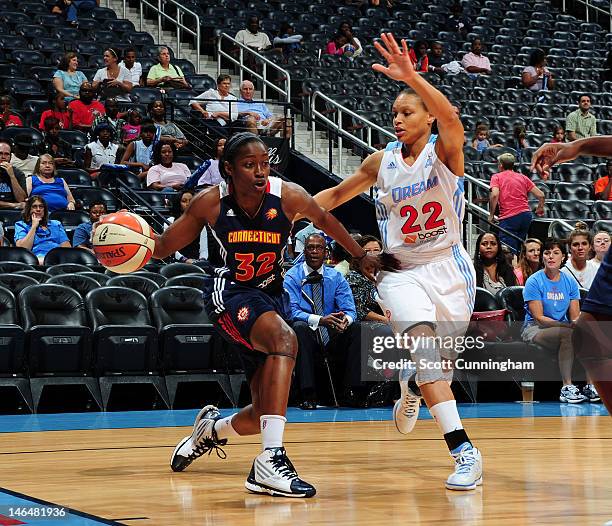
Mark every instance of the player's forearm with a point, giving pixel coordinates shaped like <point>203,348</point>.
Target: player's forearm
<point>600,146</point>
<point>435,102</point>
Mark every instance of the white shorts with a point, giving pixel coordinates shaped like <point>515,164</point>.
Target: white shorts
<point>440,291</point>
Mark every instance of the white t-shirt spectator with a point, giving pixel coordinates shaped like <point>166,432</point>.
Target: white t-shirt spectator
<point>583,277</point>
<point>168,175</point>
<point>101,155</point>
<point>480,61</point>
<point>533,72</point>
<point>257,41</point>
<point>219,104</point>
<point>124,74</point>
<point>134,74</point>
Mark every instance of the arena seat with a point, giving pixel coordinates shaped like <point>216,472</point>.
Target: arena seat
<point>86,196</point>
<point>17,254</point>
<point>67,268</point>
<point>602,224</point>
<point>579,191</point>
<point>124,341</point>
<point>58,339</point>
<point>38,275</point>
<point>15,266</point>
<point>13,368</point>
<point>195,281</point>
<point>186,339</point>
<point>82,284</point>
<point>485,301</point>
<point>69,255</point>
<point>143,285</point>
<point>16,282</point>
<point>178,269</point>
<point>603,210</point>
<point>102,279</point>
<point>572,210</point>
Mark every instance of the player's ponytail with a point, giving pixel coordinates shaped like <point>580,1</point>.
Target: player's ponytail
<point>232,147</point>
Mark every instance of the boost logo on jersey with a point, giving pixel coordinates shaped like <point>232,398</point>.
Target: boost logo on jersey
<point>426,236</point>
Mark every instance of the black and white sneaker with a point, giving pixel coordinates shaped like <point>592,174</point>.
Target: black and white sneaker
<point>273,474</point>
<point>202,440</point>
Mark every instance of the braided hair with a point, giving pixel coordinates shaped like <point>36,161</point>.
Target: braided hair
<point>232,147</point>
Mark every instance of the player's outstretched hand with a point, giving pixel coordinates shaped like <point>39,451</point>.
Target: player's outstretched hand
<point>550,154</point>
<point>399,64</point>
<point>369,265</point>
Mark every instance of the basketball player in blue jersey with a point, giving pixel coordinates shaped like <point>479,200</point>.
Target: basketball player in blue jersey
<point>592,336</point>
<point>251,215</point>
<point>419,207</point>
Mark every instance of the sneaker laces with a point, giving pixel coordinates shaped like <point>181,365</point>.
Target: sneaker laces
<point>283,466</point>
<point>208,445</point>
<point>410,405</point>
<point>464,460</point>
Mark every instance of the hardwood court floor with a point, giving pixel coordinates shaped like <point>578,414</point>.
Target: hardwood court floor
<point>537,471</point>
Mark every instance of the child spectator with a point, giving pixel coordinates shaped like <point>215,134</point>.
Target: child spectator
<point>481,140</point>
<point>101,151</point>
<point>8,118</point>
<point>131,130</point>
<point>54,145</point>
<point>519,141</point>
<point>336,45</point>
<point>418,56</point>
<point>558,134</point>
<point>58,110</point>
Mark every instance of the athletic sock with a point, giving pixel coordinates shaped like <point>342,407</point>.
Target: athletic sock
<point>446,416</point>
<point>224,427</point>
<point>272,429</point>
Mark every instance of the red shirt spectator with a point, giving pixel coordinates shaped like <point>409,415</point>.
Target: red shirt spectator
<point>6,116</point>
<point>513,189</point>
<point>603,187</point>
<point>418,56</point>
<point>84,114</point>
<point>62,116</point>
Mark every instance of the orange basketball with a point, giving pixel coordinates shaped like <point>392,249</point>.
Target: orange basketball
<point>123,242</point>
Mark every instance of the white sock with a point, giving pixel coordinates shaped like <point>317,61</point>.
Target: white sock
<point>272,429</point>
<point>224,427</point>
<point>446,416</point>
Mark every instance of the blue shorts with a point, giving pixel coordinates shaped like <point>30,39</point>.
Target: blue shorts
<point>599,298</point>
<point>233,309</point>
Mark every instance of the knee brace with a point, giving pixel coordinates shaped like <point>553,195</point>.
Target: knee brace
<point>431,366</point>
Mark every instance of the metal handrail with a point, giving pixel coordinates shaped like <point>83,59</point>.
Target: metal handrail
<point>177,21</point>
<point>337,127</point>
<point>587,4</point>
<point>286,93</point>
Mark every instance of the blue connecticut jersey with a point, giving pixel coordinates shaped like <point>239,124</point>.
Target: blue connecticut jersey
<point>252,247</point>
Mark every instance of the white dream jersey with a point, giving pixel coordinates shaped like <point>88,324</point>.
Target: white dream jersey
<point>419,208</point>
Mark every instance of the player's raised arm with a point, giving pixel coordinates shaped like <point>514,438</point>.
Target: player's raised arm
<point>298,201</point>
<point>201,211</point>
<point>399,67</point>
<point>548,155</point>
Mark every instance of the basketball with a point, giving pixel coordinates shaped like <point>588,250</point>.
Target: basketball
<point>123,242</point>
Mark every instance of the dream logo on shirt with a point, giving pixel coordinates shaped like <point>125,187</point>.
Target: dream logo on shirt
<point>554,294</point>
<point>400,193</point>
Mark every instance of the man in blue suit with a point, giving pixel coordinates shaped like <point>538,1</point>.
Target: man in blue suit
<point>323,312</point>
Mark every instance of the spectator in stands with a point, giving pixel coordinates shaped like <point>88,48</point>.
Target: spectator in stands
<point>511,191</point>
<point>166,75</point>
<point>139,154</point>
<point>67,80</point>
<point>550,296</point>
<point>435,58</point>
<point>167,130</point>
<point>346,29</point>
<point>536,76</point>
<point>475,62</point>
<point>578,266</point>
<point>581,123</point>
<point>252,36</point>
<point>217,106</point>
<point>54,145</point>
<point>113,80</point>
<point>12,181</point>
<point>418,56</point>
<point>287,42</point>
<point>111,118</point>
<point>529,260</point>
<point>211,175</point>
<point>82,234</point>
<point>339,258</point>
<point>130,131</point>
<point>36,231</point>
<point>21,157</point>
<point>85,109</point>
<point>299,239</point>
<point>601,244</point>
<point>336,45</point>
<point>255,116</point>
<point>606,74</point>
<point>57,110</point>
<point>45,183</point>
<point>492,269</point>
<point>71,9</point>
<point>457,22</point>
<point>519,142</point>
<point>482,139</point>
<point>198,249</point>
<point>364,291</point>
<point>102,150</point>
<point>8,118</point>
<point>323,311</point>
<point>603,185</point>
<point>558,134</point>
<point>165,174</point>
<point>133,68</point>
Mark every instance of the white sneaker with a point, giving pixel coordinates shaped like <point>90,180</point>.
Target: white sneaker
<point>468,469</point>
<point>406,410</point>
<point>590,393</point>
<point>571,394</point>
<point>203,439</point>
<point>273,474</point>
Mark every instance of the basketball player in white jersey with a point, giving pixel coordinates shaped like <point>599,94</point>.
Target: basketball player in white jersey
<point>419,207</point>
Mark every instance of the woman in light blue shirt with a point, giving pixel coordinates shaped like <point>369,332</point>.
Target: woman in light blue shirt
<point>67,80</point>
